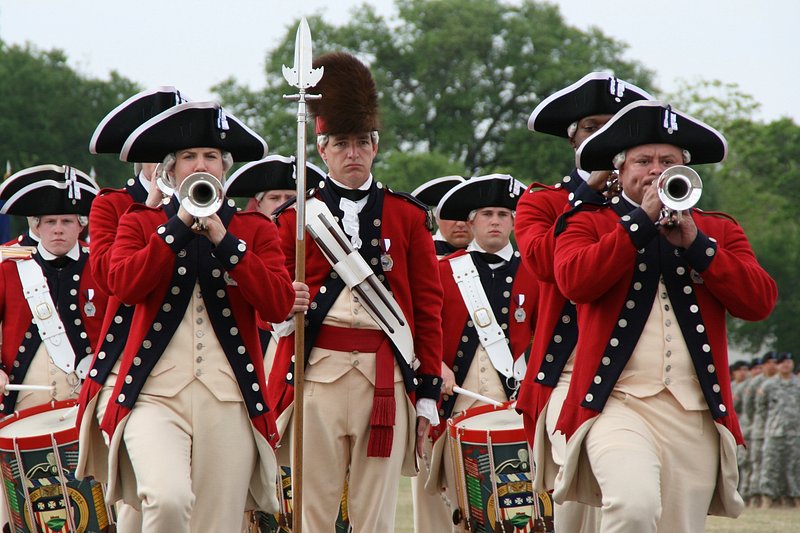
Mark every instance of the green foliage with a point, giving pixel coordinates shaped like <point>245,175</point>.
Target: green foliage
<point>48,112</point>
<point>456,77</point>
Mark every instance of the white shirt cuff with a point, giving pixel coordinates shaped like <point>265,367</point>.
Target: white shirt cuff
<point>427,407</point>
<point>285,328</point>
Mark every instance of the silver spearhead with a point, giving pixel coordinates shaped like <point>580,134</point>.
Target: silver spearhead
<point>302,75</point>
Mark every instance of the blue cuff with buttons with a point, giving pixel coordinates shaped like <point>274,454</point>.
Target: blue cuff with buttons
<point>700,253</point>
<point>175,233</point>
<point>229,251</point>
<point>428,386</point>
<point>640,228</point>
<point>587,195</point>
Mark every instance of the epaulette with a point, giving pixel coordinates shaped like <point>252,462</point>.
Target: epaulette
<point>536,186</point>
<point>110,190</point>
<point>718,214</point>
<point>413,200</point>
<point>561,222</point>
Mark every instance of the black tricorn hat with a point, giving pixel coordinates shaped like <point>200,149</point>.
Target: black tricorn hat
<point>271,173</point>
<point>493,190</point>
<point>597,93</point>
<point>48,190</point>
<point>432,191</point>
<point>192,125</point>
<point>119,123</point>
<point>650,122</point>
<point>349,102</point>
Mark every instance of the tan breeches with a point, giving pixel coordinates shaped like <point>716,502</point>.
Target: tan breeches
<point>193,457</point>
<point>568,517</point>
<point>335,436</point>
<point>655,462</point>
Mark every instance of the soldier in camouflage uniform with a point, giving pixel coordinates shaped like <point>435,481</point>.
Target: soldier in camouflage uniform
<point>740,373</point>
<point>757,415</point>
<point>780,471</point>
<point>745,419</point>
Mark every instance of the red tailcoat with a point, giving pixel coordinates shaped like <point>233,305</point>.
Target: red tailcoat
<point>413,279</point>
<point>107,209</point>
<point>537,212</point>
<point>148,247</point>
<point>598,259</point>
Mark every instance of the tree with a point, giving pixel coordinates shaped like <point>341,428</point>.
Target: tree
<point>456,78</point>
<point>48,113</point>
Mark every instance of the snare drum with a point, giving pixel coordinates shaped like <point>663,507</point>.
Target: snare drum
<point>38,457</point>
<point>493,473</point>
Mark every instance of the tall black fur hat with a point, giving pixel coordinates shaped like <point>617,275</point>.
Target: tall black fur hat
<point>349,102</point>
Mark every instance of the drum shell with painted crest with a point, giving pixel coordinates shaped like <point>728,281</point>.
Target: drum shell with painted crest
<point>495,481</point>
<point>35,444</point>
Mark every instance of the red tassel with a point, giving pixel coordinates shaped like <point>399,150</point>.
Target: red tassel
<point>380,441</point>
<point>383,408</point>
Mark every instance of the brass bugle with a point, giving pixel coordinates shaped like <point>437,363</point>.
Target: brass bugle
<point>201,195</point>
<point>679,188</point>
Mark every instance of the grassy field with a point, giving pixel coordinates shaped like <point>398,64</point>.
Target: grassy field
<point>779,520</point>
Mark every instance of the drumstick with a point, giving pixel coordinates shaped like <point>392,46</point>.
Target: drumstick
<point>12,387</point>
<point>475,395</point>
<point>68,413</point>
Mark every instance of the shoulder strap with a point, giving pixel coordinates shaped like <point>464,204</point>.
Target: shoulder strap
<point>45,314</point>
<point>490,334</point>
<point>358,276</point>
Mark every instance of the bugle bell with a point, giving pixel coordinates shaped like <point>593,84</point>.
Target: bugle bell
<point>201,195</point>
<point>679,188</point>
<point>162,182</point>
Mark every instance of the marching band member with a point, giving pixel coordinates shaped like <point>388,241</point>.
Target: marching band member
<point>575,112</point>
<point>488,324</point>
<point>191,379</point>
<point>370,388</point>
<point>107,209</point>
<point>58,198</point>
<point>649,421</point>
<point>451,235</point>
<point>51,291</point>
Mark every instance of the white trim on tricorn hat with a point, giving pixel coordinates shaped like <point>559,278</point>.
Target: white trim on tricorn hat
<point>650,122</point>
<point>268,174</point>
<point>192,125</point>
<point>597,93</point>
<point>48,190</point>
<point>432,191</point>
<point>492,190</point>
<point>119,123</point>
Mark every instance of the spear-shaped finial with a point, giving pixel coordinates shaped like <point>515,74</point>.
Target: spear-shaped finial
<point>302,75</point>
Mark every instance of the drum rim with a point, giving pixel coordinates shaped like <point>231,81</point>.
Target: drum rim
<point>38,442</point>
<point>478,436</point>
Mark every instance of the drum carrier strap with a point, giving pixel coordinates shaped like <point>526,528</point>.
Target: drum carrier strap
<point>45,315</point>
<point>491,336</point>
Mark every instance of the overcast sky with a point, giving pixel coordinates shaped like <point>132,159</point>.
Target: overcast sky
<point>195,44</point>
